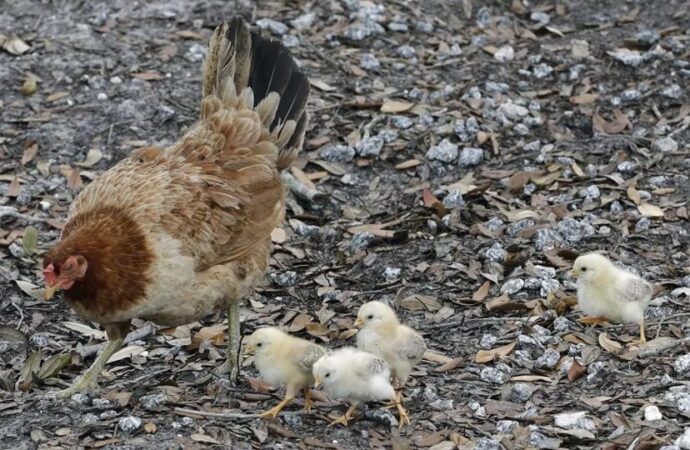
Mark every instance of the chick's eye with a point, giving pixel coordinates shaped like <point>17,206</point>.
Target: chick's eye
<point>259,344</point>
<point>370,316</point>
<point>328,375</point>
<point>584,269</point>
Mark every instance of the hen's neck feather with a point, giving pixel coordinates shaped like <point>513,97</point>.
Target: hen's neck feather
<point>118,259</point>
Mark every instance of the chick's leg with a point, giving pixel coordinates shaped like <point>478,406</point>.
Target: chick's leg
<point>643,338</point>
<point>342,420</point>
<point>308,403</point>
<point>88,383</point>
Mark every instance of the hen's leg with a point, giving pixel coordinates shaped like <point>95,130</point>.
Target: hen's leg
<point>233,355</point>
<point>88,382</point>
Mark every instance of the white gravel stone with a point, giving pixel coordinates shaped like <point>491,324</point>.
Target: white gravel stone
<point>574,420</point>
<point>665,145</point>
<point>651,413</point>
<point>504,54</point>
<point>445,151</point>
<point>512,286</point>
<point>513,111</point>
<point>129,424</point>
<point>682,366</point>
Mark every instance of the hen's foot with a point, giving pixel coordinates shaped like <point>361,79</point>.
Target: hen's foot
<point>590,320</point>
<point>86,384</point>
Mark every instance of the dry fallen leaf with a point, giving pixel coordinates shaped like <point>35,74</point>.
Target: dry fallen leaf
<point>649,210</point>
<point>148,76</point>
<point>92,157</point>
<point>609,344</point>
<point>394,106</point>
<point>482,292</point>
<point>619,123</point>
<point>30,151</point>
<point>584,99</point>
<point>15,46</point>
<point>633,194</point>
<point>485,356</point>
<point>450,365</point>
<point>150,427</point>
<point>576,371</point>
<point>418,302</point>
<point>14,189</point>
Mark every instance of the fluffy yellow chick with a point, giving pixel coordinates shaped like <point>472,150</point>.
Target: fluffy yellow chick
<point>400,346</point>
<point>355,376</point>
<point>284,360</point>
<point>609,292</point>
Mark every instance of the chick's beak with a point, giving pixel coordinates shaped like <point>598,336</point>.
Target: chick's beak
<point>250,348</point>
<point>359,322</point>
<point>51,290</point>
<point>317,382</point>
<point>574,273</point>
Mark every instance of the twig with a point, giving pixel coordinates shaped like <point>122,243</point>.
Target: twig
<point>21,314</point>
<point>191,412</point>
<point>12,212</point>
<point>299,189</point>
<point>133,336</point>
<point>661,349</point>
<point>455,323</point>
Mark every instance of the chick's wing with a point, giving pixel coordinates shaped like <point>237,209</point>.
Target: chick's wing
<point>312,354</point>
<point>634,289</point>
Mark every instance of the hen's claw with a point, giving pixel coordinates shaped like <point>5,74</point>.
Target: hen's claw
<point>86,384</point>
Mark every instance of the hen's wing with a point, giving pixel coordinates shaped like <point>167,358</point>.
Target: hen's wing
<point>218,190</point>
<point>634,289</point>
<point>312,354</point>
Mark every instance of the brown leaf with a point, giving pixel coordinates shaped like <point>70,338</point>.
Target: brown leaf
<point>150,427</point>
<point>410,163</point>
<point>649,210</point>
<point>321,85</point>
<point>205,438</point>
<point>633,194</point>
<point>188,34</point>
<point>450,365</point>
<point>619,123</point>
<point>518,180</point>
<point>609,344</point>
<point>482,292</point>
<point>485,356</point>
<point>583,99</point>
<point>417,302</point>
<point>430,201</point>
<point>531,378</point>
<point>148,76</point>
<point>576,371</point>
<point>122,398</point>
<point>259,385</point>
<point>394,106</point>
<point>15,46</point>
<point>215,334</point>
<point>29,152</point>
<point>317,329</point>
<point>14,189</point>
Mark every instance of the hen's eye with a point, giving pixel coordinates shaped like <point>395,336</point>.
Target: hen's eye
<point>370,316</point>
<point>584,269</point>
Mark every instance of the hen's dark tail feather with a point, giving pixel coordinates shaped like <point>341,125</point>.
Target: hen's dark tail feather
<point>239,58</point>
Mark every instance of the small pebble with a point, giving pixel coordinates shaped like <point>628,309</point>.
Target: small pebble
<point>369,62</point>
<point>682,366</point>
<point>337,153</point>
<point>471,156</point>
<point>665,145</point>
<point>651,413</point>
<point>504,54</point>
<point>275,27</point>
<point>129,424</point>
<point>493,375</point>
<point>548,360</point>
<point>512,286</point>
<point>488,341</point>
<point>445,151</point>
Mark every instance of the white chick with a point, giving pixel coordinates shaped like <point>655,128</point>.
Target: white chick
<point>609,292</point>
<point>284,360</point>
<point>400,346</point>
<point>355,376</point>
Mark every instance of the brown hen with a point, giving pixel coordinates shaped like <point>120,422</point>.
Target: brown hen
<point>169,235</point>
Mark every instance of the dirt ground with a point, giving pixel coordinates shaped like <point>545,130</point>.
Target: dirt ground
<point>460,154</point>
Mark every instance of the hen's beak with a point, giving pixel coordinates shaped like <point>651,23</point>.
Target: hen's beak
<point>317,382</point>
<point>51,290</point>
<point>359,322</point>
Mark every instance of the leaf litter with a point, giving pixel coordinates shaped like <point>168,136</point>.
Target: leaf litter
<point>557,129</point>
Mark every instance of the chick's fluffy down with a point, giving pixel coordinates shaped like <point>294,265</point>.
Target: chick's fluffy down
<point>609,291</point>
<point>284,360</point>
<point>354,375</point>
